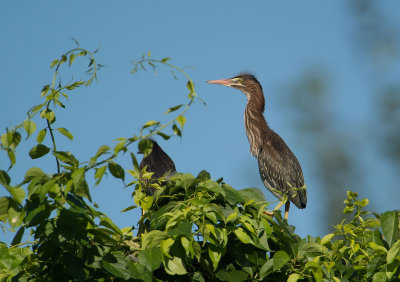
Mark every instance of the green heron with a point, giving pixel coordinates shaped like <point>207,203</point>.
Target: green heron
<point>279,168</point>
<point>159,163</point>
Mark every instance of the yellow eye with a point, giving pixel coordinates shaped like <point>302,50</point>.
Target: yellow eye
<point>237,79</point>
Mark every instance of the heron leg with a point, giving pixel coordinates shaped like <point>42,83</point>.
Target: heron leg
<point>271,213</point>
<point>278,206</point>
<point>287,206</point>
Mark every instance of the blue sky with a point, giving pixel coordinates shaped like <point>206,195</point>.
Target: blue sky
<point>272,39</point>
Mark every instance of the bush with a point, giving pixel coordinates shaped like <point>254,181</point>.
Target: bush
<point>194,228</point>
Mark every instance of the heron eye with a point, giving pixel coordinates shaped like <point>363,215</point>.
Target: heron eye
<point>238,79</point>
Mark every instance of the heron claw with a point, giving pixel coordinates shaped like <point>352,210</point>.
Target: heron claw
<point>269,213</point>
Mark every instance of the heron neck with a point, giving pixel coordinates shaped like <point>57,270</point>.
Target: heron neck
<point>255,123</point>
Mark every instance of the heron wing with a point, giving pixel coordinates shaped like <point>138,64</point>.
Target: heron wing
<point>280,171</point>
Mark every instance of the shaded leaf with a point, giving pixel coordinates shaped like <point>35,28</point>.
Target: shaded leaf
<point>116,170</point>
<point>38,151</point>
<point>4,178</point>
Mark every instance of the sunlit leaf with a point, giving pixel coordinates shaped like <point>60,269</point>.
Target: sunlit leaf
<point>66,133</point>
<point>53,63</point>
<point>41,135</point>
<point>71,58</point>
<point>280,259</point>
<point>181,120</point>
<point>66,157</point>
<point>99,173</point>
<point>389,225</point>
<point>173,109</point>
<point>151,258</point>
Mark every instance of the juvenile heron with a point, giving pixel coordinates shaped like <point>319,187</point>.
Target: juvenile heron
<point>279,168</point>
<point>159,163</point>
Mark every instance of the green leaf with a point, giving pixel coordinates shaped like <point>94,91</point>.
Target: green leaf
<point>5,203</point>
<point>75,267</point>
<point>18,236</point>
<point>66,157</point>
<point>116,170</point>
<point>53,63</point>
<point>175,266</point>
<point>190,86</point>
<point>4,178</point>
<point>379,277</point>
<point>164,136</point>
<point>15,217</point>
<point>66,133</point>
<point>164,60</point>
<point>181,120</point>
<point>145,146</point>
<point>293,277</point>
<point>41,135</point>
<point>173,109</point>
<point>116,269</point>
<point>71,58</point>
<point>215,255</point>
<point>242,235</point>
<point>37,215</point>
<point>153,238</point>
<point>393,252</point>
<point>80,186</point>
<point>129,208</point>
<point>232,276</point>
<point>99,173</point>
<point>203,176</point>
<point>32,111</point>
<point>376,247</point>
<point>33,172</point>
<point>105,221</point>
<point>267,268</point>
<point>252,194</point>
<point>151,258</point>
<point>280,259</point>
<point>49,115</point>
<point>389,225</point>
<point>63,59</point>
<point>29,127</point>
<point>18,193</point>
<point>11,156</point>
<point>103,149</point>
<point>327,238</point>
<point>135,162</point>
<point>150,123</point>
<point>176,130</point>
<point>10,139</point>
<point>38,151</point>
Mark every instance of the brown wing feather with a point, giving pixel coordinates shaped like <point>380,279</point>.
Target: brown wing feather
<point>278,166</point>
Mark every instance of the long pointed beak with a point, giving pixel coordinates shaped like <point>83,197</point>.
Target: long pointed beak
<point>224,82</point>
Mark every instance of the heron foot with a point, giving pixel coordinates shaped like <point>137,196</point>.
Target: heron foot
<point>269,213</point>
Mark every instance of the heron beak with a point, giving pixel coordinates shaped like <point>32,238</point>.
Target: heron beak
<point>224,82</point>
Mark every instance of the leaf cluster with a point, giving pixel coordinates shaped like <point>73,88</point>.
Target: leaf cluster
<point>194,228</point>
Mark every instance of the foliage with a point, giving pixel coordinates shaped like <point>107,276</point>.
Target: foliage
<point>194,228</point>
